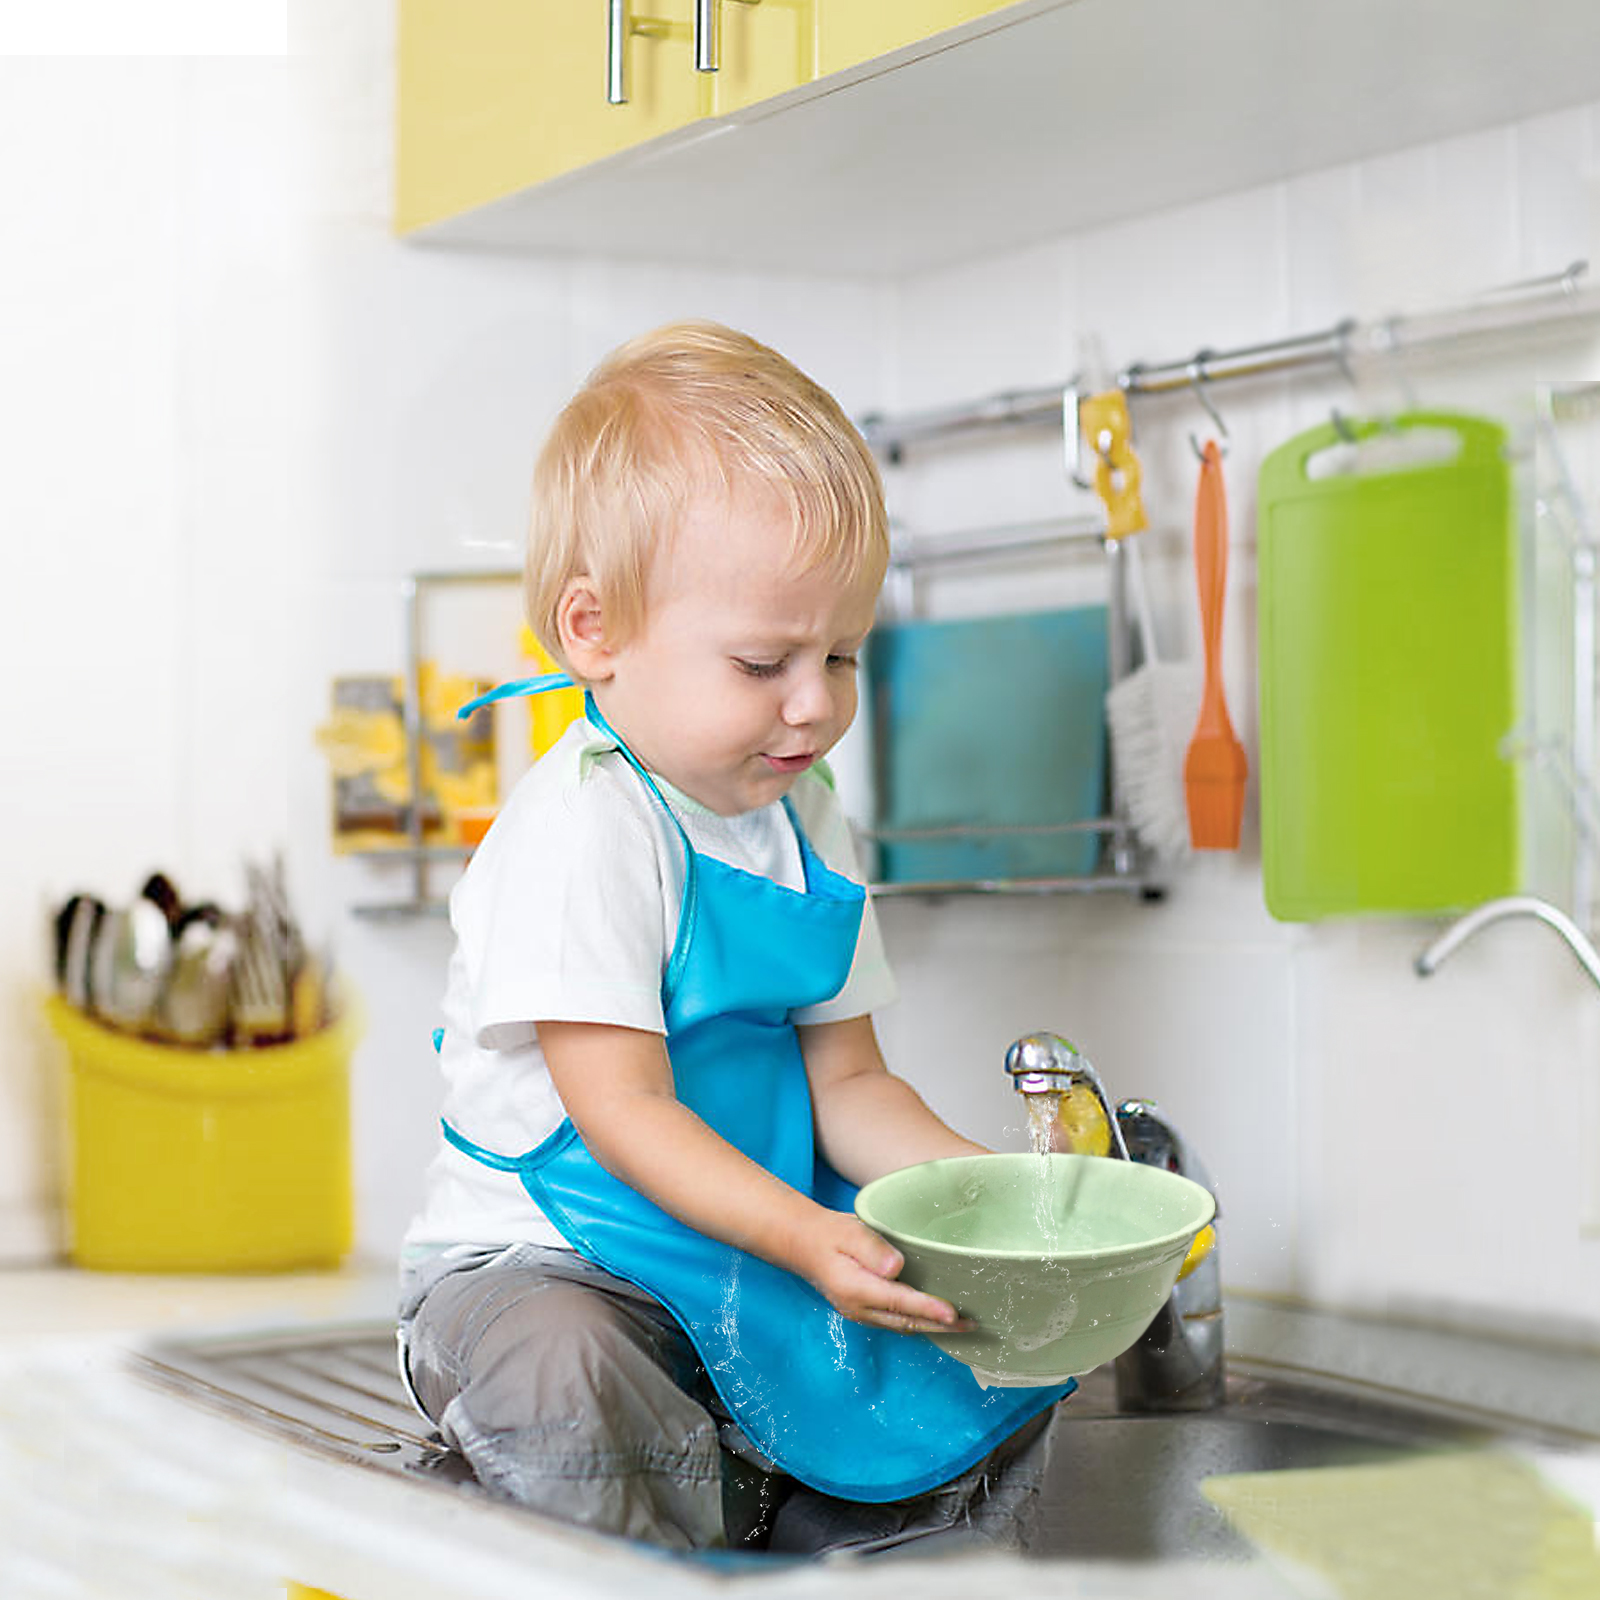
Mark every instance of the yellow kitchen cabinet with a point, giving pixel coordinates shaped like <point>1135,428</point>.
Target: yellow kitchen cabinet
<point>765,48</point>
<point>852,31</point>
<point>494,96</point>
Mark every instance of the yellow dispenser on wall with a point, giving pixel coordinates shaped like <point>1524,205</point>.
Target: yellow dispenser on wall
<point>1117,473</point>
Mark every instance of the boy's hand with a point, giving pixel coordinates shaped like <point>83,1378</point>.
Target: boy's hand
<point>854,1270</point>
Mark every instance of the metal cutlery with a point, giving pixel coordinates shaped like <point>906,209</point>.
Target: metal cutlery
<point>197,975</point>
<point>194,1008</point>
<point>77,931</point>
<point>132,958</point>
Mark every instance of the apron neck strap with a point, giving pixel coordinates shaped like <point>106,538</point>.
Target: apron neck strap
<point>592,712</point>
<point>539,685</point>
<point>689,910</point>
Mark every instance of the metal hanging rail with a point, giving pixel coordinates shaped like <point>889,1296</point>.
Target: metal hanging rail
<point>1014,538</point>
<point>1515,308</point>
<point>1510,310</point>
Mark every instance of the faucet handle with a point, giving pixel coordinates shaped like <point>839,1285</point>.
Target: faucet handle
<point>1154,1141</point>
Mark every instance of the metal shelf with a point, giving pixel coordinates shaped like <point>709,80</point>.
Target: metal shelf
<point>416,855</point>
<point>399,910</point>
<point>1127,865</point>
<point>1147,888</point>
<point>410,853</point>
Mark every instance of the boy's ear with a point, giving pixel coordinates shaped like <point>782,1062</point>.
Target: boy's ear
<point>580,621</point>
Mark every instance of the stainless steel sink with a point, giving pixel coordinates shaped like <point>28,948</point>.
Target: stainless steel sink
<point>1128,1487</point>
<point>1120,1486</point>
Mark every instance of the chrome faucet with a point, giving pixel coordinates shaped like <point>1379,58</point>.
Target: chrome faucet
<point>1045,1063</point>
<point>1176,1363</point>
<point>1514,905</point>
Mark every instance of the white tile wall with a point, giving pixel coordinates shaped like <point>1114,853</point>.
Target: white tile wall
<point>1416,1097</point>
<point>236,446</point>
<point>1362,1115</point>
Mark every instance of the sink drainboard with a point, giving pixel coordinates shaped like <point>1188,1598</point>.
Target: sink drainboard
<point>334,1390</point>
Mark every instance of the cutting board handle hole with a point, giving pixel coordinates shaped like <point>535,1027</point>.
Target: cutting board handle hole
<point>1385,450</point>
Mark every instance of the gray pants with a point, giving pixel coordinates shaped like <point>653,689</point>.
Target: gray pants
<point>576,1394</point>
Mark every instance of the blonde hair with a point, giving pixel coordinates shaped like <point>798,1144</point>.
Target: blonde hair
<point>691,407</point>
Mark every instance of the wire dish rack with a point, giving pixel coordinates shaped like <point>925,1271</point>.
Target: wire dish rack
<point>1123,865</point>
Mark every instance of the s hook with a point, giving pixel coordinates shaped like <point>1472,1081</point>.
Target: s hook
<point>1197,379</point>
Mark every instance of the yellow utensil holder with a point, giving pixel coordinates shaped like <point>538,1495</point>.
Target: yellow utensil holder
<point>185,1160</point>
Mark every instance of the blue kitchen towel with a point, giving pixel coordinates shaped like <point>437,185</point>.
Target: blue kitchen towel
<point>991,721</point>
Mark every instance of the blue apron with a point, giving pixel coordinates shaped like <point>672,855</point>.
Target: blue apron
<point>861,1413</point>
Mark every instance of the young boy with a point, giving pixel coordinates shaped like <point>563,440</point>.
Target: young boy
<point>636,1296</point>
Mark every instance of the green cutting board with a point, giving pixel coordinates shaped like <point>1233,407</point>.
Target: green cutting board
<point>1387,635</point>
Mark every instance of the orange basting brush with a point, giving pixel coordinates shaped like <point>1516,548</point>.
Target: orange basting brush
<point>1215,767</point>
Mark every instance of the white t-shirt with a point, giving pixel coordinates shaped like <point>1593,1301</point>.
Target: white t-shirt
<point>568,912</point>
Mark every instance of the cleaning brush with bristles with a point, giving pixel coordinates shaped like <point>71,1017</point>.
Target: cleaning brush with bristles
<point>1151,711</point>
<point>1215,768</point>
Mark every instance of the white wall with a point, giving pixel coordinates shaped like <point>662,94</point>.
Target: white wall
<point>248,434</point>
<point>147,314</point>
<point>1421,1148</point>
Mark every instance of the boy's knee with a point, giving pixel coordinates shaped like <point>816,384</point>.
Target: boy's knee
<point>522,1353</point>
<point>564,1399</point>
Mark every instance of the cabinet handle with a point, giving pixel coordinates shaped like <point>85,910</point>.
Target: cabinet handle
<point>708,33</point>
<point>616,52</point>
<point>622,25</point>
<point>707,44</point>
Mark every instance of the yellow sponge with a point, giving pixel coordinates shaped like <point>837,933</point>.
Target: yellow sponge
<point>1473,1525</point>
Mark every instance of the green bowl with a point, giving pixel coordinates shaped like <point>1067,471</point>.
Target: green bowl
<point>1060,1261</point>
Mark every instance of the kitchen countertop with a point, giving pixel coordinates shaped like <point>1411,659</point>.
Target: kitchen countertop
<point>109,1487</point>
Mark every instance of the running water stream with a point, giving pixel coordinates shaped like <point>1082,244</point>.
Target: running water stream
<point>1044,1117</point>
<point>1044,1114</point>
